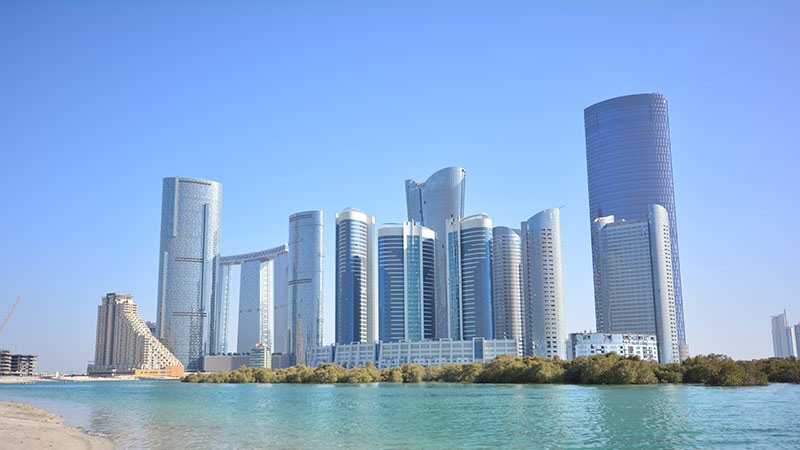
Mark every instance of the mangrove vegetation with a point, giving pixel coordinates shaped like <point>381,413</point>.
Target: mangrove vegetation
<point>609,369</point>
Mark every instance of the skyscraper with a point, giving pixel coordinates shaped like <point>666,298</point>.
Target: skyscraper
<point>123,339</point>
<point>629,162</point>
<point>469,277</point>
<point>191,211</point>
<point>355,277</point>
<point>431,203</point>
<point>507,283</point>
<point>543,286</point>
<point>634,268</point>
<point>406,282</point>
<point>784,339</point>
<point>305,282</point>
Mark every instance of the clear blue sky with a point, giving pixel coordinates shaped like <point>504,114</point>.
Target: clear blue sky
<point>324,105</point>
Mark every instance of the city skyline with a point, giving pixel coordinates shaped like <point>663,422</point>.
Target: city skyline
<point>96,105</point>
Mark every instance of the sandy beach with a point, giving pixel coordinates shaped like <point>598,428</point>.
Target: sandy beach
<point>23,426</point>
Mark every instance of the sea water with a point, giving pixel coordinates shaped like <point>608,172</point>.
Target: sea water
<point>159,414</point>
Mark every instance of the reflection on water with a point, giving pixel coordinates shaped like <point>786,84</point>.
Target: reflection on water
<point>176,415</point>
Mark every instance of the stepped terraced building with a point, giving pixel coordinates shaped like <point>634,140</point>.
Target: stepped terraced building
<point>125,344</point>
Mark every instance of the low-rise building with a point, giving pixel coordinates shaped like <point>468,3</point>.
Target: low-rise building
<point>17,365</point>
<point>645,346</point>
<point>281,360</point>
<point>225,363</point>
<point>424,353</point>
<point>261,356</point>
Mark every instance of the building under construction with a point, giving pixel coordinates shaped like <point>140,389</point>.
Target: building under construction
<point>17,365</point>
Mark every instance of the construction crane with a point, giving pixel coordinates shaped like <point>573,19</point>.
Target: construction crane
<point>9,314</point>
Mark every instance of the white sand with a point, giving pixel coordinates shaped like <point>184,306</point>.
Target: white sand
<point>23,426</point>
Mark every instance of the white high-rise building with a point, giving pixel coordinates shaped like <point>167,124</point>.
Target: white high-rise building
<point>123,340</point>
<point>634,270</point>
<point>507,308</point>
<point>469,277</point>
<point>784,337</point>
<point>543,286</point>
<point>356,309</point>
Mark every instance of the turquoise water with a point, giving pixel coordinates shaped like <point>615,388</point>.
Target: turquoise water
<point>148,414</point>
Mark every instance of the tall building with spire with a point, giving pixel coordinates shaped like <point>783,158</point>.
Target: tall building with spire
<point>431,203</point>
<point>629,164</point>
<point>356,309</point>
<point>191,212</point>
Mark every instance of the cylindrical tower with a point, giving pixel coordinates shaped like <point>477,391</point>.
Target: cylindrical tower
<point>191,211</point>
<point>355,277</point>
<point>543,286</point>
<point>305,282</point>
<point>507,283</point>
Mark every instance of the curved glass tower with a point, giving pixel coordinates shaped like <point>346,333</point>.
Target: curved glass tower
<point>469,277</point>
<point>543,286</point>
<point>507,283</point>
<point>629,163</point>
<point>305,282</point>
<point>431,203</point>
<point>191,211</point>
<point>406,288</point>
<point>355,277</point>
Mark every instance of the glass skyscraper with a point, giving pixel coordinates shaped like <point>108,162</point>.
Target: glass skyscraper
<point>634,265</point>
<point>507,283</point>
<point>355,277</point>
<point>305,282</point>
<point>543,286</point>
<point>191,211</point>
<point>431,203</point>
<point>469,277</point>
<point>406,293</point>
<point>629,163</point>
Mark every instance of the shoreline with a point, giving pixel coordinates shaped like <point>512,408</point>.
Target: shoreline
<point>25,426</point>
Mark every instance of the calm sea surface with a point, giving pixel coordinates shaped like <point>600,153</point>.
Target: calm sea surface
<point>148,414</point>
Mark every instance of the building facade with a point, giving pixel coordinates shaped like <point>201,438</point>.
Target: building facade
<point>425,353</point>
<point>431,203</point>
<point>634,270</point>
<point>17,365</point>
<point>629,163</point>
<point>356,308</point>
<point>645,346</point>
<point>305,282</point>
<point>123,340</point>
<point>262,314</point>
<point>260,357</point>
<point>406,287</point>
<point>191,211</point>
<point>545,332</point>
<point>507,311</point>
<point>469,277</point>
<point>784,337</point>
